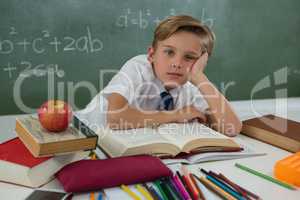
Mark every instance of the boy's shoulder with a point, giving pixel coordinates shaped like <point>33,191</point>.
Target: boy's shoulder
<point>139,65</point>
<point>140,60</point>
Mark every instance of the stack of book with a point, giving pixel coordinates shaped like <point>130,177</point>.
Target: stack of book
<point>36,155</point>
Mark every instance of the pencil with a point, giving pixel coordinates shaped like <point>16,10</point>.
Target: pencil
<point>161,191</point>
<point>153,192</point>
<point>225,188</point>
<point>213,177</point>
<point>238,188</point>
<point>264,176</point>
<point>184,185</point>
<point>130,192</point>
<point>201,195</point>
<point>190,184</point>
<point>243,189</point>
<point>144,192</point>
<point>93,157</point>
<point>168,190</point>
<point>92,196</point>
<point>181,187</point>
<point>176,188</point>
<point>215,188</point>
<point>221,177</point>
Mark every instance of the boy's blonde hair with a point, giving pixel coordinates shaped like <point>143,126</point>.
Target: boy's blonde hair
<point>178,23</point>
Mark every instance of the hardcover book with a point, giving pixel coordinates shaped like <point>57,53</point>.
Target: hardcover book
<point>41,142</point>
<point>277,131</point>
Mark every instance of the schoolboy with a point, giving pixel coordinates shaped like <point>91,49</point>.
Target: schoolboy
<point>168,84</point>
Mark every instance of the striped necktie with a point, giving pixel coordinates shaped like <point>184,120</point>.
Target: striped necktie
<point>167,102</point>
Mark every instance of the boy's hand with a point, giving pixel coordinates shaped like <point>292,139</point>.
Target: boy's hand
<point>188,114</point>
<point>197,69</point>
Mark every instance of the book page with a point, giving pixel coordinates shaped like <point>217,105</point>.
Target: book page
<point>182,133</point>
<point>135,137</point>
<point>41,135</point>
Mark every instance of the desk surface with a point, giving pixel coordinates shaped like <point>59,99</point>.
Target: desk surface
<point>289,108</point>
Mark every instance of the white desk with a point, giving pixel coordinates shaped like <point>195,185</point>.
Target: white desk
<point>263,188</point>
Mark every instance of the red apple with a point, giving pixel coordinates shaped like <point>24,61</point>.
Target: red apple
<point>55,115</point>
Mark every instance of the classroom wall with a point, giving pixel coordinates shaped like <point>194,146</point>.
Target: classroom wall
<point>76,46</point>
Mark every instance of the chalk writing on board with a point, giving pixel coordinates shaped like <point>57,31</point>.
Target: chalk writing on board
<point>44,44</point>
<point>9,69</point>
<point>207,20</point>
<point>27,69</point>
<point>142,19</point>
<point>46,33</point>
<point>292,70</point>
<point>13,31</point>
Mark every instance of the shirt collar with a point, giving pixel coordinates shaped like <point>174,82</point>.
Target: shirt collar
<point>150,76</point>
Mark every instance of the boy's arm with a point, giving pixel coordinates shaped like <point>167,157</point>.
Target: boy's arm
<point>121,116</point>
<point>221,116</point>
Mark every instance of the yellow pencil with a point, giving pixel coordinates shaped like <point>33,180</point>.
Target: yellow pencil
<point>144,192</point>
<point>92,194</point>
<point>216,189</point>
<point>130,192</point>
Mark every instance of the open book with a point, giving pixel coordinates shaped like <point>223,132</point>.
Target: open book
<point>166,140</point>
<point>248,151</point>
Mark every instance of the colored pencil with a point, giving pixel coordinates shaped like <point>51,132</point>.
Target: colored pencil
<point>215,188</point>
<point>226,180</point>
<point>190,184</point>
<point>181,187</point>
<point>130,192</point>
<point>168,190</point>
<point>264,176</point>
<point>93,157</point>
<point>201,195</point>
<point>184,184</point>
<point>255,196</point>
<point>227,188</point>
<point>175,188</point>
<point>161,191</point>
<point>153,192</point>
<point>143,192</point>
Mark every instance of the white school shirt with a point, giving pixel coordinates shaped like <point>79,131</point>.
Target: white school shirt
<point>137,83</point>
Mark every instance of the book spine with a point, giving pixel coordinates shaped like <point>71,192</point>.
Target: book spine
<point>83,128</point>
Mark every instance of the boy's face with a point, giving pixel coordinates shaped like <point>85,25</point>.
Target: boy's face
<point>173,58</point>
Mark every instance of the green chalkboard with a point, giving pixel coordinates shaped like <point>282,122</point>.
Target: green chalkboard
<point>71,48</point>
